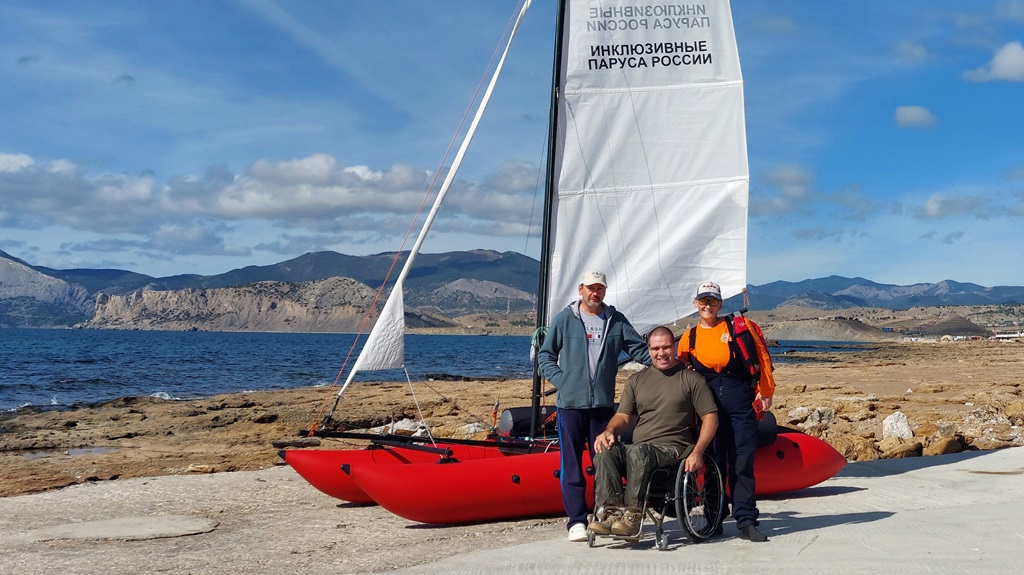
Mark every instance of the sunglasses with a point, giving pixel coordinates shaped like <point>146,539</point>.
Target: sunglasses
<point>709,301</point>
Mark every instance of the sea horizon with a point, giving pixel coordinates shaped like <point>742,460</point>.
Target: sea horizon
<point>68,368</point>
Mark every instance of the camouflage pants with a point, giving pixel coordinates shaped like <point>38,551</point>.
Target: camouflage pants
<point>635,462</point>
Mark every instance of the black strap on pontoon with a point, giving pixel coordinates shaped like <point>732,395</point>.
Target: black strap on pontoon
<point>506,444</point>
<point>443,451</point>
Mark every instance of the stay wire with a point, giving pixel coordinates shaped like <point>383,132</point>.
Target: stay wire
<point>428,193</point>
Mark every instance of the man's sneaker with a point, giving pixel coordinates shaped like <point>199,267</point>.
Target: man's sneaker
<point>751,533</point>
<point>602,523</point>
<point>629,524</point>
<point>578,532</point>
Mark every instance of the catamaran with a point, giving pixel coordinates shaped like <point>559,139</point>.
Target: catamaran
<point>647,179</point>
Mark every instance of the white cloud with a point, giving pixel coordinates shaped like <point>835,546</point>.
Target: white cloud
<point>777,25</point>
<point>315,169</point>
<point>1007,64</point>
<point>201,214</point>
<point>817,234</point>
<point>952,237</point>
<point>1016,207</point>
<point>917,117</point>
<point>911,51</point>
<point>14,162</point>
<point>794,190</point>
<point>852,202</point>
<point>942,206</point>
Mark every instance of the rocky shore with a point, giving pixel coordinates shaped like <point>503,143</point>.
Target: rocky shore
<point>893,400</point>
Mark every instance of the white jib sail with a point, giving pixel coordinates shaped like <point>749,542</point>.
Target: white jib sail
<point>385,346</point>
<point>652,168</point>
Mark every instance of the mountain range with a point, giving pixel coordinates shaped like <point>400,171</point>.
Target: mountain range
<point>443,285</point>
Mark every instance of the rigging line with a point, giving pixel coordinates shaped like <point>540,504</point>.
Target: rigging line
<point>412,224</point>
<point>541,170</point>
<point>454,402</point>
<point>419,410</point>
<point>445,186</point>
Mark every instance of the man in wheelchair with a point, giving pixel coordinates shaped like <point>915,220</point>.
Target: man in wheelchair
<point>665,400</point>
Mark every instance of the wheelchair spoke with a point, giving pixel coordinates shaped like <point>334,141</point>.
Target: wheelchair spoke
<point>700,500</point>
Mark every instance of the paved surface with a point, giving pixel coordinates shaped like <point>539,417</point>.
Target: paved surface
<point>125,529</point>
<point>950,514</point>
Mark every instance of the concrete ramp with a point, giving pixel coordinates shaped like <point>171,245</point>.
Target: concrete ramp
<point>950,514</point>
<point>127,528</point>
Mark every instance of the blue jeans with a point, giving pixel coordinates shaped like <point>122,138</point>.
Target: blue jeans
<point>736,444</point>
<point>577,430</point>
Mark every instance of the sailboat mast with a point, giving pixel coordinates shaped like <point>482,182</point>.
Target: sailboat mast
<point>550,182</point>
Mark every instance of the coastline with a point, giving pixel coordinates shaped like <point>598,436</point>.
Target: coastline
<point>962,395</point>
<point>146,461</point>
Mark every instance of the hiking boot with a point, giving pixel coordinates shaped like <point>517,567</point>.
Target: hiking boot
<point>603,520</point>
<point>629,524</point>
<point>578,532</point>
<point>751,533</point>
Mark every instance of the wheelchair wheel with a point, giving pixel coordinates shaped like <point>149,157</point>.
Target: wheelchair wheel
<point>700,499</point>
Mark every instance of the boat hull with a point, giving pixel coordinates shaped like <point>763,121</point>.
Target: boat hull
<point>487,484</point>
<point>516,486</point>
<point>496,488</point>
<point>322,468</point>
<point>794,461</point>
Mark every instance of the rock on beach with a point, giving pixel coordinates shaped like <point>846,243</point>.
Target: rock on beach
<point>967,395</point>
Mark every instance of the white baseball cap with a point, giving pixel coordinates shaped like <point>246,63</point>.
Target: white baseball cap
<point>709,289</point>
<point>594,277</point>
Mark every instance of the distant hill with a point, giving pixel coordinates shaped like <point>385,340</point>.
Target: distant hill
<point>450,284</point>
<point>836,292</point>
<point>440,286</point>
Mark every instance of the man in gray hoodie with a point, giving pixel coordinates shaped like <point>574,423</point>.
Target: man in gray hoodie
<point>580,357</point>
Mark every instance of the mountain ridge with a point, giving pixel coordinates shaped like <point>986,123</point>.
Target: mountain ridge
<point>478,283</point>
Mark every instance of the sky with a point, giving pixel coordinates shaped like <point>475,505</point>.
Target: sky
<point>885,139</point>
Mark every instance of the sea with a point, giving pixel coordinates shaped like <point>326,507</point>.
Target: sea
<point>69,368</point>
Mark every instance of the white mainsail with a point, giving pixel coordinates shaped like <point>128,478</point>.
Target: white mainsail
<point>652,175</point>
<point>385,346</point>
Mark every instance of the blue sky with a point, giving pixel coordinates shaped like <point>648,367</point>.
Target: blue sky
<point>886,140</point>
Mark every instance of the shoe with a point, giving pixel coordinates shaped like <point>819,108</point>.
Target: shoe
<point>629,524</point>
<point>578,532</point>
<point>606,516</point>
<point>751,533</point>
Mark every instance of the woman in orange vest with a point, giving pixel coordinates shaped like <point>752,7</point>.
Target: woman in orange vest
<point>714,355</point>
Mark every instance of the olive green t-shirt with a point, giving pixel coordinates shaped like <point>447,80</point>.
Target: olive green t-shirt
<point>666,404</point>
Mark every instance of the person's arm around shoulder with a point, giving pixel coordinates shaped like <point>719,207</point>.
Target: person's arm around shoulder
<point>611,433</point>
<point>633,343</point>
<point>683,350</point>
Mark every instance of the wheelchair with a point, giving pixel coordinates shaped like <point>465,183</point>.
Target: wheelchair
<point>696,499</point>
